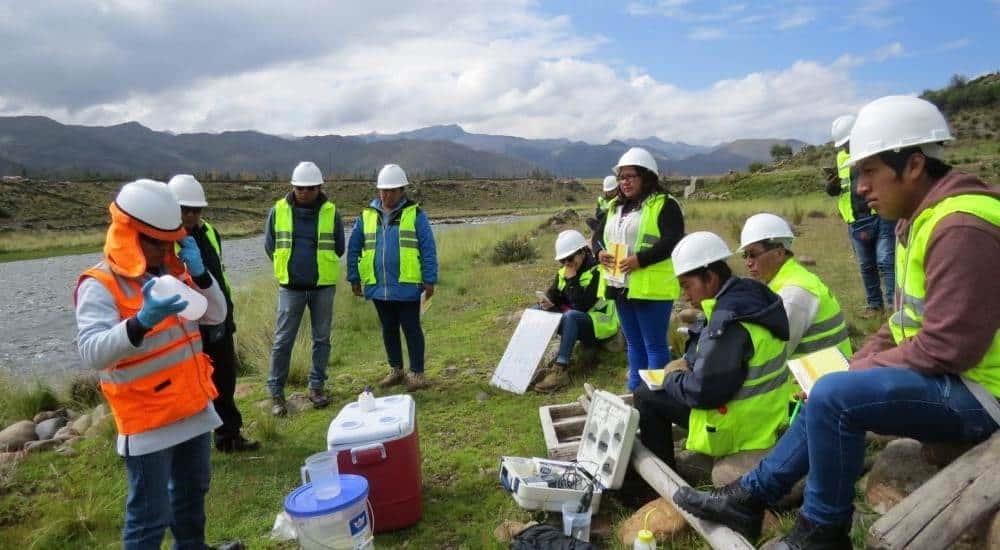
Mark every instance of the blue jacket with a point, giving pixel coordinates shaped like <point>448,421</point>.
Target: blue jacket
<point>387,285</point>
<point>302,270</point>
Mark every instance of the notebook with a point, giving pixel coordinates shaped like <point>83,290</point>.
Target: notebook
<point>811,367</point>
<point>653,378</point>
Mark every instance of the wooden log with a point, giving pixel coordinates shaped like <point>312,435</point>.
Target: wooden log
<point>942,509</point>
<point>666,482</point>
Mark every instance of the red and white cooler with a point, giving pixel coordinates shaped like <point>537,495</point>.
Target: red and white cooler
<point>383,446</point>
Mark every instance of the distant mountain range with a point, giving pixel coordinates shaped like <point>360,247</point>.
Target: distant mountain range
<point>39,146</point>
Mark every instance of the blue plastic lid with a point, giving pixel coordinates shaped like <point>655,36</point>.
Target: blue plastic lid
<point>302,501</point>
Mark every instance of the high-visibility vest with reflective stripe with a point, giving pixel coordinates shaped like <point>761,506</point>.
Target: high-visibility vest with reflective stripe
<point>603,204</point>
<point>167,378</point>
<point>656,281</point>
<point>844,202</point>
<point>409,250</point>
<point>214,241</point>
<point>828,327</point>
<point>327,261</point>
<point>911,281</point>
<point>602,313</point>
<point>754,415</point>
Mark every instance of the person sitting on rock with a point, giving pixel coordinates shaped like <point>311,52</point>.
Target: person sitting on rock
<point>731,388</point>
<point>575,292</point>
<point>932,373</point>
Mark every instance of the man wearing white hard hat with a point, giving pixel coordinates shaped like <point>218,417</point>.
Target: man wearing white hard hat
<point>815,320</point>
<point>873,237</point>
<point>932,373</point>
<point>576,292</point>
<point>217,340</point>
<point>609,190</point>
<point>731,388</point>
<point>304,238</point>
<point>392,261</point>
<point>150,364</point>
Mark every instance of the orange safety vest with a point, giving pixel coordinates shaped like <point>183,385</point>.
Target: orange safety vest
<point>168,378</point>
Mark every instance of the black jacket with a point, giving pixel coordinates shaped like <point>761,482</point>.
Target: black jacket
<point>719,354</point>
<point>213,263</point>
<point>574,295</point>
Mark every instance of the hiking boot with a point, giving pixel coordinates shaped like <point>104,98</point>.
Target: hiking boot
<point>235,444</point>
<point>872,313</point>
<point>318,398</point>
<point>556,379</point>
<point>278,407</point>
<point>394,378</point>
<point>416,381</point>
<point>229,545</point>
<point>732,506</point>
<point>807,535</point>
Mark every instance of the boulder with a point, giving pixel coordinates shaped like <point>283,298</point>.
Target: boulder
<point>81,424</point>
<point>879,441</point>
<point>46,429</point>
<point>695,468</point>
<point>943,453</point>
<point>100,412</point>
<point>243,389</point>
<point>43,416</point>
<point>10,458</point>
<point>664,521</point>
<point>64,433</point>
<point>729,469</point>
<point>993,533</point>
<point>616,344</point>
<point>38,446</point>
<point>298,402</point>
<point>898,470</point>
<point>13,437</point>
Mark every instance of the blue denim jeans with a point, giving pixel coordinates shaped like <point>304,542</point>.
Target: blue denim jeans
<point>395,314</point>
<point>291,306</point>
<point>167,489</point>
<point>827,439</point>
<point>575,326</point>
<point>874,242</point>
<point>644,324</point>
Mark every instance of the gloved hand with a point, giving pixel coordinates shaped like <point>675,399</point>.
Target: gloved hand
<point>155,310</point>
<point>191,256</point>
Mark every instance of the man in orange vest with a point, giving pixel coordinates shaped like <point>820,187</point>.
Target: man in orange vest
<point>152,371</point>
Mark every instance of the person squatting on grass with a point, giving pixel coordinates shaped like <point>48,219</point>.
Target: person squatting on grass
<point>150,364</point>
<point>932,373</point>
<point>392,260</point>
<point>304,238</point>
<point>576,292</point>
<point>648,222</point>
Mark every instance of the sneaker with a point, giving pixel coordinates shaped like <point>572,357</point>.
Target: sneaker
<point>394,378</point>
<point>814,536</point>
<point>235,444</point>
<point>732,506</point>
<point>557,378</point>
<point>318,398</point>
<point>416,381</point>
<point>278,407</point>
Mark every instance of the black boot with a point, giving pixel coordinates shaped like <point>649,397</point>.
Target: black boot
<point>732,506</point>
<point>807,535</point>
<point>235,444</point>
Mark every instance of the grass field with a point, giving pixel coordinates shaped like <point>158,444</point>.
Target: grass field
<point>465,425</point>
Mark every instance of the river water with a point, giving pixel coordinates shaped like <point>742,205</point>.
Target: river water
<point>37,322</point>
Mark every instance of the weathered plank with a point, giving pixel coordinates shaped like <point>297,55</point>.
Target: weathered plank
<point>943,508</point>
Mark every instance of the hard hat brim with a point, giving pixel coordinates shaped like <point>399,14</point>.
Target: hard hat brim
<point>304,184</point>
<point>193,204</point>
<point>395,186</point>
<point>842,141</point>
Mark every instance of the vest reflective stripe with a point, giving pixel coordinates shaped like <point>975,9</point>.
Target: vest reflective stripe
<point>656,281</point>
<point>844,199</point>
<point>828,327</point>
<point>409,246</point>
<point>757,411</point>
<point>907,321</point>
<point>327,261</point>
<point>167,378</point>
<point>602,314</point>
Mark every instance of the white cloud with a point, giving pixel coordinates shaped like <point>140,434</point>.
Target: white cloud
<point>707,33</point>
<point>875,14</point>
<point>495,68</point>
<point>888,51</point>
<point>796,18</point>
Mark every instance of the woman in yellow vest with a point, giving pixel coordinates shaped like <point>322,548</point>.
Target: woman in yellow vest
<point>576,292</point>
<point>931,374</point>
<point>392,261</point>
<point>731,388</point>
<point>643,225</point>
<point>150,363</point>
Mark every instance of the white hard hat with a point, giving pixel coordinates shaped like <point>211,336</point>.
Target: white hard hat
<point>610,183</point>
<point>763,227</point>
<point>697,250</point>
<point>897,121</point>
<point>307,174</point>
<point>568,242</point>
<point>150,202</point>
<point>187,190</point>
<point>391,176</point>
<point>841,130</point>
<point>637,156</point>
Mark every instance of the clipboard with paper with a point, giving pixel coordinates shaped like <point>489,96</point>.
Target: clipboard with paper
<point>619,252</point>
<point>811,367</point>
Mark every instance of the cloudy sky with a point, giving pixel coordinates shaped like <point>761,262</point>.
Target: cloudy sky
<point>682,70</point>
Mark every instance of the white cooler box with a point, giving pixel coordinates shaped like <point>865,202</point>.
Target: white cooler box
<point>604,453</point>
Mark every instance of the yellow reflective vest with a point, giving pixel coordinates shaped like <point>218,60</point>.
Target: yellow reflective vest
<point>602,313</point>
<point>656,281</point>
<point>409,250</point>
<point>327,261</point>
<point>828,327</point>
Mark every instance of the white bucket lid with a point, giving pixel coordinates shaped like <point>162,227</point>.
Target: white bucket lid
<point>393,417</point>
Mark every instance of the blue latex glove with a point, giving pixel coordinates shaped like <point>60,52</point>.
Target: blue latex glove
<point>191,256</point>
<point>155,310</point>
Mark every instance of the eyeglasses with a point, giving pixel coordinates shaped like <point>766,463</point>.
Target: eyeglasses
<point>627,177</point>
<point>190,210</point>
<point>747,255</point>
